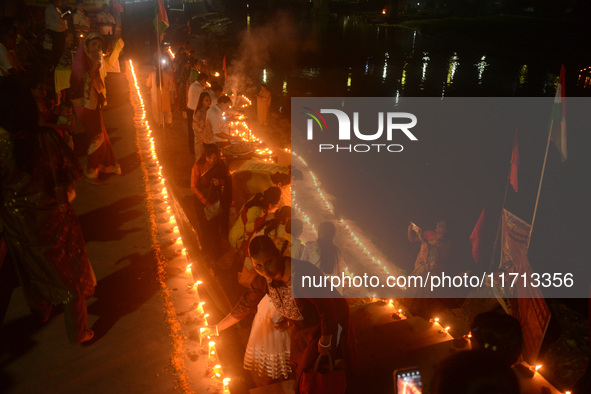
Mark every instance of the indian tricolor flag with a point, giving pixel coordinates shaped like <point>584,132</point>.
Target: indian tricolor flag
<point>161,18</point>
<point>558,123</point>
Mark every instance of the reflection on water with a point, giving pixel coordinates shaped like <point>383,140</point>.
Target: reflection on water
<point>481,66</point>
<point>523,75</point>
<point>403,78</point>
<point>454,62</point>
<point>385,72</point>
<point>425,60</point>
<point>383,61</point>
<point>349,79</point>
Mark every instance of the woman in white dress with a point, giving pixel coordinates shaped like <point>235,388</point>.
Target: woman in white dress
<point>267,352</point>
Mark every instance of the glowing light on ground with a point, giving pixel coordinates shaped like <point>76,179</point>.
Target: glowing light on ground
<point>155,181</point>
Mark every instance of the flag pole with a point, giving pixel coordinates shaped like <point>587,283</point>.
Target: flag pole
<point>531,229</point>
<point>492,257</point>
<point>159,70</point>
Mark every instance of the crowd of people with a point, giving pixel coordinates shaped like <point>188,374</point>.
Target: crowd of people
<point>52,74</point>
<point>182,82</point>
<point>63,59</point>
<point>245,214</point>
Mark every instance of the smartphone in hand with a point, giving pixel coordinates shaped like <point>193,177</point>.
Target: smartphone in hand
<point>408,381</point>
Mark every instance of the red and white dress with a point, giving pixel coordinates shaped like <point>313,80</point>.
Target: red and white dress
<point>267,352</point>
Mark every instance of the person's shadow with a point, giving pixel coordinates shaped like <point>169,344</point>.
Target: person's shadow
<point>123,292</point>
<point>104,224</point>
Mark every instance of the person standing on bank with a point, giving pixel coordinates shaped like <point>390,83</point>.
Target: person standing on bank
<point>40,226</point>
<point>201,133</point>
<point>323,253</point>
<point>263,104</point>
<point>210,181</point>
<point>193,94</point>
<point>88,93</point>
<point>433,258</point>
<point>435,247</point>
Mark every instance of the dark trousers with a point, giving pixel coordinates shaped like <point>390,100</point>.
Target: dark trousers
<point>58,46</point>
<point>191,133</point>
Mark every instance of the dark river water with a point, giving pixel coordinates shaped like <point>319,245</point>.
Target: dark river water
<point>344,56</point>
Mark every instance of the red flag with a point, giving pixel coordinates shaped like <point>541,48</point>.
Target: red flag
<point>514,163</point>
<point>225,69</point>
<point>160,18</point>
<point>476,236</point>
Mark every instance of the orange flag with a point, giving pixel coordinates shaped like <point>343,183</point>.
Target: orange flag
<point>476,236</point>
<point>514,163</point>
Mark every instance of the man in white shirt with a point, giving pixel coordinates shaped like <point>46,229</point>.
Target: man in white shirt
<point>56,27</point>
<point>215,92</point>
<point>193,93</point>
<point>216,121</point>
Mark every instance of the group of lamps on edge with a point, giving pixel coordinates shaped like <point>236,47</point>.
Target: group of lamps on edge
<point>444,330</point>
<point>398,314</point>
<point>142,125</point>
<point>240,129</point>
